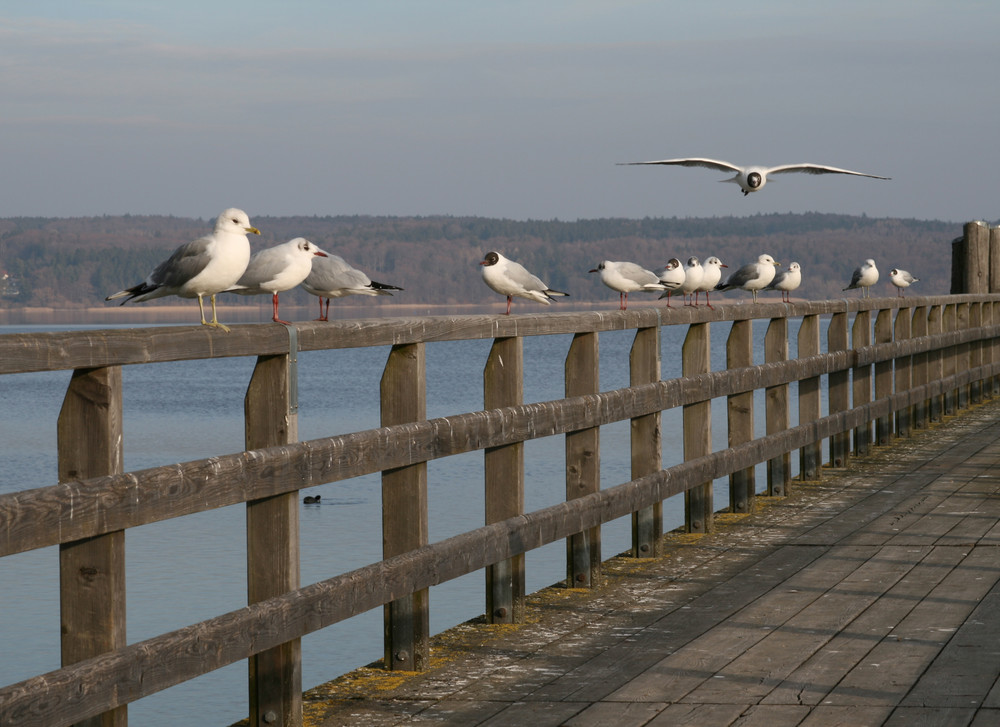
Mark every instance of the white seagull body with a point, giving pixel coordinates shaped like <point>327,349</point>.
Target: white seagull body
<point>277,268</point>
<point>672,276</point>
<point>786,281</point>
<point>752,179</point>
<point>693,273</point>
<point>865,276</point>
<point>626,277</point>
<point>711,275</point>
<point>509,278</point>
<point>206,266</point>
<point>753,277</point>
<point>333,277</point>
<point>901,279</point>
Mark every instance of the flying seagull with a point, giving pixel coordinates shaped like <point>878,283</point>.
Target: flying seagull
<point>205,266</point>
<point>753,277</point>
<point>752,179</point>
<point>626,277</point>
<point>509,278</point>
<point>333,277</point>
<point>901,279</point>
<point>865,276</point>
<point>277,268</point>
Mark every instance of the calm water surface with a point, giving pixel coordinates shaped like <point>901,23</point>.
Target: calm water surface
<point>189,569</point>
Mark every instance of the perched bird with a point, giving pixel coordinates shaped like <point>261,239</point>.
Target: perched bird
<point>865,276</point>
<point>753,277</point>
<point>277,268</point>
<point>626,277</point>
<point>786,281</point>
<point>509,278</point>
<point>672,276</point>
<point>752,179</point>
<point>693,273</point>
<point>901,279</point>
<point>712,274</point>
<point>332,277</point>
<point>205,266</point>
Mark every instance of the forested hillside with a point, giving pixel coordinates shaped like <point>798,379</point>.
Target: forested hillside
<point>77,262</point>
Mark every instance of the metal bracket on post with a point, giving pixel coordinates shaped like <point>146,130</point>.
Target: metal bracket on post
<point>293,369</point>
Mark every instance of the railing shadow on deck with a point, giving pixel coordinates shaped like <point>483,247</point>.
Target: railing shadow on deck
<point>890,365</point>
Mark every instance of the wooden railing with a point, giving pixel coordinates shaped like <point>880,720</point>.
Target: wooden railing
<point>891,365</point>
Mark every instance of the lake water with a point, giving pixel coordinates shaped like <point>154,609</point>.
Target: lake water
<point>189,569</point>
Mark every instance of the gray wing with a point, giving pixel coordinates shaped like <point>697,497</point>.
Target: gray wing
<point>186,262</point>
<point>818,169</point>
<point>855,279</point>
<point>741,277</point>
<point>693,162</point>
<point>519,275</point>
<point>777,279</point>
<point>263,266</point>
<point>334,273</point>
<point>638,273</point>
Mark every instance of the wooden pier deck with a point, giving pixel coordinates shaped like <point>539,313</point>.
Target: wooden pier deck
<point>871,597</point>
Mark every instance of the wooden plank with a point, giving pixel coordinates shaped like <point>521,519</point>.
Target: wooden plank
<point>645,438</point>
<point>697,359</point>
<point>739,414</point>
<point>962,352</point>
<point>275,675</point>
<point>903,370</point>
<point>839,395</point>
<point>583,461</point>
<point>776,407</point>
<point>921,367</point>
<point>976,350</point>
<point>810,398</point>
<point>935,369</point>
<point>92,571</point>
<point>403,399</point>
<point>883,375</point>
<point>861,380</point>
<point>503,384</point>
<point>949,358</point>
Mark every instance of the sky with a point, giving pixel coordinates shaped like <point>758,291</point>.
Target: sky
<point>514,109</point>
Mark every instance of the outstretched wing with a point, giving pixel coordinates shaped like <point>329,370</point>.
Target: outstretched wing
<point>818,169</point>
<point>693,162</point>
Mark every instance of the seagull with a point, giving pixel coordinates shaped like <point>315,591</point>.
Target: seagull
<point>672,276</point>
<point>865,276</point>
<point>509,278</point>
<point>205,266</point>
<point>751,179</point>
<point>333,277</point>
<point>786,281</point>
<point>711,277</point>
<point>693,273</point>
<point>277,268</point>
<point>753,277</point>
<point>626,277</point>
<point>901,279</point>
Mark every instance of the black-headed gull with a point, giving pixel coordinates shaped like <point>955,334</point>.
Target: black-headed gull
<point>751,179</point>
<point>672,276</point>
<point>786,281</point>
<point>753,277</point>
<point>509,278</point>
<point>693,273</point>
<point>277,268</point>
<point>865,276</point>
<point>333,277</point>
<point>901,279</point>
<point>206,266</point>
<point>626,277</point>
<point>711,275</point>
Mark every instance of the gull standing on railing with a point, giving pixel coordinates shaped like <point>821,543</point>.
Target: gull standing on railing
<point>509,278</point>
<point>277,268</point>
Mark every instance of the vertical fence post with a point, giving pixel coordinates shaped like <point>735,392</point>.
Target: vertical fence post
<point>739,414</point>
<point>883,375</point>
<point>963,353</point>
<point>949,357</point>
<point>583,462</point>
<point>503,384</point>
<point>861,335</point>
<point>273,545</point>
<point>935,361</point>
<point>986,350</point>
<point>92,571</point>
<point>810,404</point>
<point>647,449</point>
<point>975,272</point>
<point>903,379</point>
<point>696,355</point>
<point>403,395</point>
<point>839,396</point>
<point>921,367</point>
<point>776,406</point>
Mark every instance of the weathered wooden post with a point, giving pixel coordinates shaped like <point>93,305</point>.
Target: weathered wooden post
<point>271,419</point>
<point>840,392</point>
<point>776,411</point>
<point>976,352</point>
<point>810,403</point>
<point>503,383</point>
<point>696,356</point>
<point>971,257</point>
<point>404,507</point>
<point>935,368</point>
<point>883,375</point>
<point>961,353</point>
<point>739,414</point>
<point>647,449</point>
<point>583,462</point>
<point>949,357</point>
<point>903,379</point>
<point>921,367</point>
<point>861,377</point>
<point>994,253</point>
<point>92,571</point>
